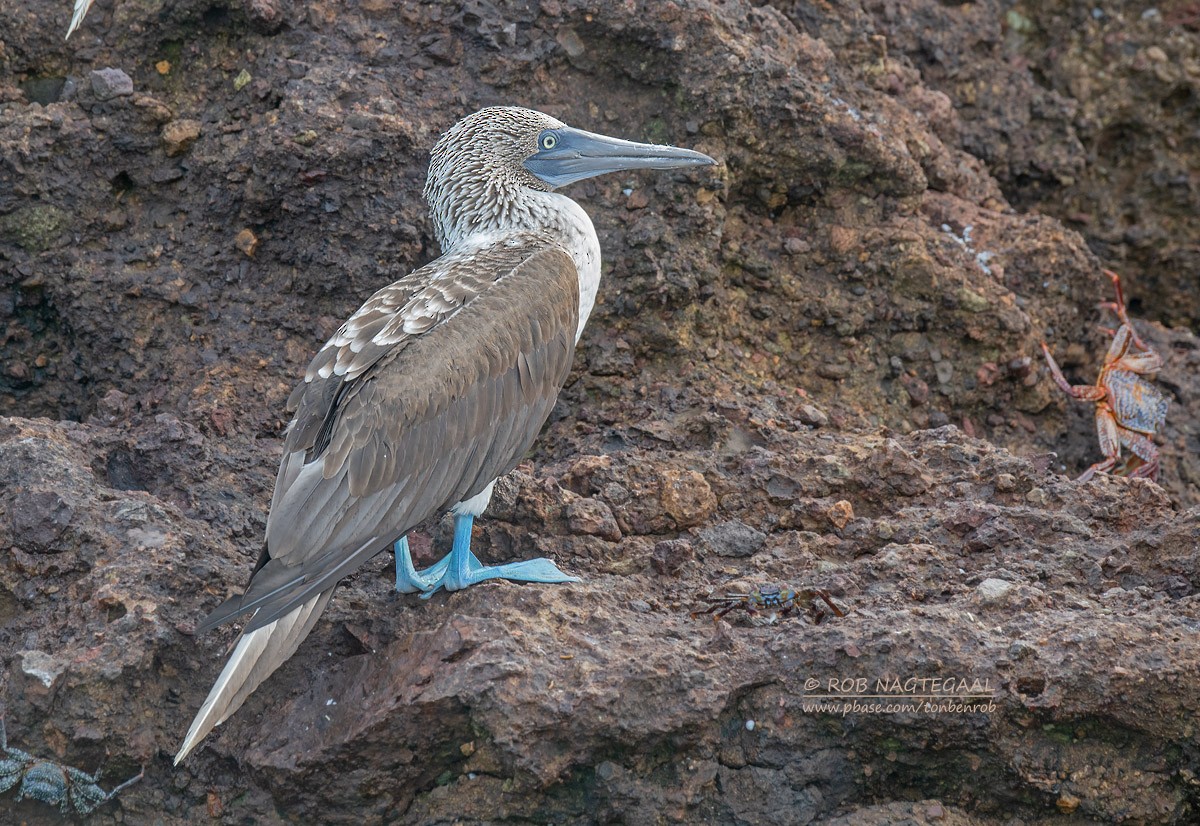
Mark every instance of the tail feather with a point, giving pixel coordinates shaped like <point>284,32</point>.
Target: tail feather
<point>255,658</point>
<point>81,10</point>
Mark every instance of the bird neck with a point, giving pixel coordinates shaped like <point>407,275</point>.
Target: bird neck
<point>475,213</point>
<point>463,210</point>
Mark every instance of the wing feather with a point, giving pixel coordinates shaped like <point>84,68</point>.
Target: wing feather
<point>431,419</point>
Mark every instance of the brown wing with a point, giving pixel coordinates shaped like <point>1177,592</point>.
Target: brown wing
<point>419,409</point>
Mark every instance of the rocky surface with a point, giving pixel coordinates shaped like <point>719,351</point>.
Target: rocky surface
<point>817,366</point>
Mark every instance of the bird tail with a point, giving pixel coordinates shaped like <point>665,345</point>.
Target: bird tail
<point>255,658</point>
<point>81,10</point>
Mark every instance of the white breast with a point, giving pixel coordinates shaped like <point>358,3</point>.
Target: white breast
<point>530,210</point>
<point>566,219</point>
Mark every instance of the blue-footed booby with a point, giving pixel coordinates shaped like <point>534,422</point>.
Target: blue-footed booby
<point>435,387</point>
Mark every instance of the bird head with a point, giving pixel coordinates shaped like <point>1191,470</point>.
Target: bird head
<point>487,158</point>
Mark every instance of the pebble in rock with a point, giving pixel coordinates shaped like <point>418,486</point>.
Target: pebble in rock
<point>993,590</point>
<point>111,83</point>
<point>734,538</point>
<point>178,136</point>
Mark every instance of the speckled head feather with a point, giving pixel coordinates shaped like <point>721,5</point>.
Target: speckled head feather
<point>477,173</point>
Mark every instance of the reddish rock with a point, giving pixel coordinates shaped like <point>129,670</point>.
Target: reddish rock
<point>179,135</point>
<point>686,497</point>
<point>671,555</point>
<point>909,192</point>
<point>592,518</point>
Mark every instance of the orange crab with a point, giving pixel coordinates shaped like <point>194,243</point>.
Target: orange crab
<point>1129,410</point>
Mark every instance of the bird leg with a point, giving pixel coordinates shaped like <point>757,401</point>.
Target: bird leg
<point>461,568</point>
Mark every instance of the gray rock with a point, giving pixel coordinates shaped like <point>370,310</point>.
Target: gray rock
<point>812,415</point>
<point>111,83</point>
<point>733,538</point>
<point>38,519</point>
<point>993,590</point>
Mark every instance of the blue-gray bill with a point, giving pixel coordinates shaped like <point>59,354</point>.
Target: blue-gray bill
<point>566,155</point>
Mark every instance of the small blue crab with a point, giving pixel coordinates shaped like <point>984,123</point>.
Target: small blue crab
<point>766,603</point>
<point>52,783</point>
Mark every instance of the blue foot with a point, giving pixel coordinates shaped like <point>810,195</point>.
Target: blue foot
<point>408,579</point>
<point>461,568</point>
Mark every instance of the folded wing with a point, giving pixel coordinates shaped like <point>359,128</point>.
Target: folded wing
<point>434,388</point>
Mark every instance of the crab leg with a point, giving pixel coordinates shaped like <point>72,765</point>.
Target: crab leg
<point>1100,467</point>
<point>1149,470</point>
<point>1140,363</point>
<point>1108,434</point>
<point>127,783</point>
<point>1082,392</point>
<point>1118,307</point>
<point>1118,356</point>
<point>837,612</point>
<point>1142,448</point>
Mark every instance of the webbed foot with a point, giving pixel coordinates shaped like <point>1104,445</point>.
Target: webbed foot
<point>411,581</point>
<point>461,568</point>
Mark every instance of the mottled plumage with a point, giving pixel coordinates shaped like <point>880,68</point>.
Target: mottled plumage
<point>433,388</point>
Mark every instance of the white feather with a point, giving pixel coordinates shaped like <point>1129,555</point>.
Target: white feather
<point>477,504</point>
<point>81,10</point>
<point>255,658</point>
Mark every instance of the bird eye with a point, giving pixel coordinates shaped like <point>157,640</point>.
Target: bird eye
<point>549,140</point>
